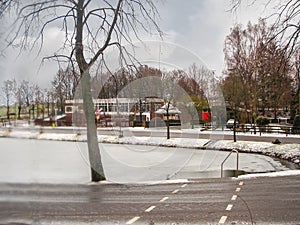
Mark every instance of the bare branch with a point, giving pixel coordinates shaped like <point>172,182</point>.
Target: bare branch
<point>108,38</point>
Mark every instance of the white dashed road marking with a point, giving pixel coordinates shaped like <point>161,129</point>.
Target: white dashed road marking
<point>150,208</point>
<point>234,197</point>
<point>163,199</point>
<point>223,219</point>
<point>229,207</point>
<point>175,191</point>
<point>134,219</point>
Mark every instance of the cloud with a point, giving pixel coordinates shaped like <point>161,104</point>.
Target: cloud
<point>201,26</point>
<point>197,25</point>
<point>28,65</point>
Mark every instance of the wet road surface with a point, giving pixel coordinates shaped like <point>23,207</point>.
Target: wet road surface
<point>206,201</point>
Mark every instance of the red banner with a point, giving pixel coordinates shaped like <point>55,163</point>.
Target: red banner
<point>205,116</point>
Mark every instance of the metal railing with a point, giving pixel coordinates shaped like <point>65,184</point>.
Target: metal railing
<point>237,162</point>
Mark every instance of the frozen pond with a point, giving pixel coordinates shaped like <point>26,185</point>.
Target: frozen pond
<point>38,161</point>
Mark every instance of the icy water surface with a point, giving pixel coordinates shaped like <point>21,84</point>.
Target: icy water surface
<point>39,161</point>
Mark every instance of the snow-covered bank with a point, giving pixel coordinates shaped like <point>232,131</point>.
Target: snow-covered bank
<point>290,152</point>
<point>273,174</point>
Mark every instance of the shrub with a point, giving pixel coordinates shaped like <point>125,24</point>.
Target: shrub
<point>262,121</point>
<point>296,125</point>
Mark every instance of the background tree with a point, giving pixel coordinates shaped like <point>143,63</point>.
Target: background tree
<point>37,99</point>
<point>25,89</point>
<point>48,101</point>
<point>8,93</point>
<point>287,27</point>
<point>194,100</point>
<point>91,27</point>
<point>285,21</point>
<point>64,86</point>
<point>201,77</point>
<point>295,106</point>
<point>115,83</point>
<point>19,99</point>
<point>262,67</point>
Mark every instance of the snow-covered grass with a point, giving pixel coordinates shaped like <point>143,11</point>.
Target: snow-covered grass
<point>290,152</point>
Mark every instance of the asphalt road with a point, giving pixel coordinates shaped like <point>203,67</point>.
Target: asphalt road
<point>207,201</point>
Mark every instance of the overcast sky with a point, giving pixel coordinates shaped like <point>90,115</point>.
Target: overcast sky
<point>202,25</point>
<point>199,26</point>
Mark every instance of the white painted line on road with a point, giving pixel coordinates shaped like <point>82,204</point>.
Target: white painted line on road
<point>134,219</point>
<point>234,197</point>
<point>223,219</point>
<point>184,185</point>
<point>150,208</point>
<point>163,199</point>
<point>175,191</point>
<point>229,207</point>
<point>237,189</point>
<point>241,183</point>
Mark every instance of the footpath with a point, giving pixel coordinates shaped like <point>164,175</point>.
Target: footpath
<point>210,140</point>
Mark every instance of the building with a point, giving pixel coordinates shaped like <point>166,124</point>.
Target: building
<point>115,111</point>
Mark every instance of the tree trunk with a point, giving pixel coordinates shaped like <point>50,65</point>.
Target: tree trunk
<point>48,108</point>
<point>97,172</point>
<point>33,111</point>
<point>7,111</point>
<point>168,127</point>
<point>168,121</point>
<point>19,112</point>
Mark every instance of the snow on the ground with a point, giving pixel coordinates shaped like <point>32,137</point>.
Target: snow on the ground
<point>162,141</point>
<point>176,181</point>
<point>273,174</point>
<point>290,152</point>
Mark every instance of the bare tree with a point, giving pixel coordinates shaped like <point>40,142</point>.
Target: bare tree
<point>202,77</point>
<point>259,68</point>
<point>297,78</point>
<point>91,27</point>
<point>64,86</point>
<point>8,93</point>
<point>287,24</point>
<point>27,94</point>
<point>287,21</point>
<point>47,100</point>
<point>19,99</point>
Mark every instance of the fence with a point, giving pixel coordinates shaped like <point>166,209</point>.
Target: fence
<point>275,129</point>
